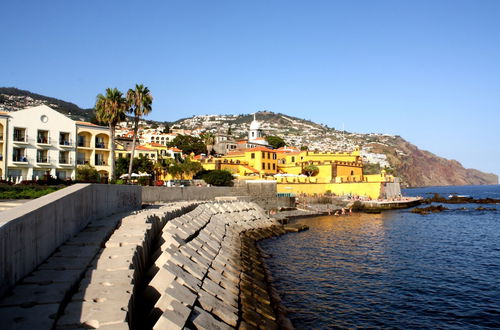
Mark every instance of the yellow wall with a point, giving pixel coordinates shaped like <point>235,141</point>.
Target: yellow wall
<point>371,189</point>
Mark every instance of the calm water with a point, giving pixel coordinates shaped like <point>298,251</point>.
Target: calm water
<point>394,270</point>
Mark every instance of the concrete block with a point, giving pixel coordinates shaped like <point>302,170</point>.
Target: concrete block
<point>25,295</point>
<point>52,276</point>
<point>174,318</point>
<point>63,263</point>
<point>92,314</point>
<point>36,317</point>
<point>205,321</point>
<point>226,313</point>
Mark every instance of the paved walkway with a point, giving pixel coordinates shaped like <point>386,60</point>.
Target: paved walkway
<point>7,204</point>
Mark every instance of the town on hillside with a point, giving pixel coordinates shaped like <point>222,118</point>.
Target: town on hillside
<point>39,141</point>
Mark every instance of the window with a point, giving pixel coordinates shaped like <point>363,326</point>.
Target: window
<point>293,159</point>
<point>352,172</point>
<point>63,157</point>
<point>18,155</point>
<point>268,155</point>
<point>20,134</point>
<point>263,155</point>
<point>274,166</point>
<point>268,166</point>
<point>252,155</point>
<point>64,139</point>
<point>41,156</point>
<point>274,156</point>
<point>263,166</point>
<point>42,136</point>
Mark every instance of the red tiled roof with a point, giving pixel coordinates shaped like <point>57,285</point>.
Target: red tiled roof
<point>143,148</point>
<point>174,149</point>
<point>261,149</point>
<point>250,168</point>
<point>88,124</point>
<point>154,144</point>
<point>241,142</point>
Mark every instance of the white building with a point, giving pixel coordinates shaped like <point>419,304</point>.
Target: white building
<point>40,141</point>
<point>160,138</point>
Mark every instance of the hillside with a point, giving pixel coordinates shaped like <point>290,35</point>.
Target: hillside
<point>13,99</point>
<point>415,167</point>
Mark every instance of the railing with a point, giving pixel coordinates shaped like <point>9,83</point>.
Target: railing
<point>101,145</point>
<point>100,162</point>
<point>43,159</point>
<point>83,144</point>
<point>65,143</point>
<point>64,160</point>
<point>21,158</point>
<point>1,137</point>
<point>43,140</point>
<point>20,138</point>
<point>82,161</point>
<point>1,157</point>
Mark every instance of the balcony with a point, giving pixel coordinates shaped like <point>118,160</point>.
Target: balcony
<point>83,161</point>
<point>100,163</point>
<point>42,160</point>
<point>83,144</point>
<point>1,157</point>
<point>1,137</point>
<point>20,159</point>
<point>43,140</point>
<point>20,138</point>
<point>65,161</point>
<point>101,145</point>
<point>66,143</point>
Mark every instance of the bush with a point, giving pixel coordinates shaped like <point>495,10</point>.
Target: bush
<point>87,173</point>
<point>25,191</point>
<point>218,178</point>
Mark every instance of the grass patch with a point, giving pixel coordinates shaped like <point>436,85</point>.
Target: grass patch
<point>26,192</point>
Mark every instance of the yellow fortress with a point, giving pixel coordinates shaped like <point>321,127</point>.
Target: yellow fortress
<point>306,172</point>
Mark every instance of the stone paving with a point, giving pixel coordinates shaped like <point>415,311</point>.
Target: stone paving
<point>185,265</point>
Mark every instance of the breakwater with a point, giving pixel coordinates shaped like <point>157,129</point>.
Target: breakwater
<point>187,264</point>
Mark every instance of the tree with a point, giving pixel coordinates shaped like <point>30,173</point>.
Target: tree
<point>139,101</point>
<point>110,109</point>
<point>189,144</point>
<point>218,178</point>
<point>167,128</point>
<point>190,168</point>
<point>304,148</point>
<point>209,140</point>
<point>275,141</point>
<point>87,173</point>
<point>310,170</point>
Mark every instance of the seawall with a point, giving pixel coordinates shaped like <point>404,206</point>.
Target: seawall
<point>179,265</point>
<point>29,234</point>
<point>261,192</point>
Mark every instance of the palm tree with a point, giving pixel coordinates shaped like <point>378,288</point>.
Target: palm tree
<point>139,101</point>
<point>209,140</point>
<point>110,109</point>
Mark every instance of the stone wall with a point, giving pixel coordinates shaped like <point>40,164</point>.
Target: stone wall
<point>260,192</point>
<point>391,190</point>
<point>29,234</point>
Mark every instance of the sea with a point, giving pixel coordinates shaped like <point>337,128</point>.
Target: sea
<point>394,270</point>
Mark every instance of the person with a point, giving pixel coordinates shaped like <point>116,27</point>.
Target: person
<point>337,213</point>
<point>350,211</point>
<point>343,211</point>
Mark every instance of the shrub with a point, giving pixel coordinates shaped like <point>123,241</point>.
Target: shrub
<point>218,178</point>
<point>87,173</point>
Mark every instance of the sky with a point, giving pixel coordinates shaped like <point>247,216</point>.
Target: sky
<point>428,71</point>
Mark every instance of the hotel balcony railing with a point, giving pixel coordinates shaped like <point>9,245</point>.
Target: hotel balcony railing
<point>1,157</point>
<point>100,162</point>
<point>83,161</point>
<point>43,140</point>
<point>64,160</point>
<point>1,137</point>
<point>83,144</point>
<point>43,159</point>
<point>22,159</point>
<point>65,143</point>
<point>101,145</point>
<point>20,138</point>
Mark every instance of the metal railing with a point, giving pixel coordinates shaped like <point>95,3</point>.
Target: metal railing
<point>83,144</point>
<point>101,145</point>
<point>64,160</point>
<point>20,158</point>
<point>65,143</point>
<point>82,161</point>
<point>43,140</point>
<point>43,159</point>
<point>20,138</point>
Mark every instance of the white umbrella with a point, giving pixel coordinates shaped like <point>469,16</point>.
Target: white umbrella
<point>143,174</point>
<point>124,176</point>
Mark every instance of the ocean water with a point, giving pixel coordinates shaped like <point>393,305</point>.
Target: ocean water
<point>395,270</point>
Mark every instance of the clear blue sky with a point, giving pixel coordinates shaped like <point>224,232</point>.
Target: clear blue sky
<point>426,70</point>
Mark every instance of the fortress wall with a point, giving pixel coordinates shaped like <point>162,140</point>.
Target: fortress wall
<point>370,189</point>
<point>260,191</point>
<point>29,234</point>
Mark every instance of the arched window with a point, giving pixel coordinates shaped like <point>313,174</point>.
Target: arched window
<point>352,172</point>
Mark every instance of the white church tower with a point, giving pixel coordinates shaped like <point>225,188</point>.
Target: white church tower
<point>255,133</point>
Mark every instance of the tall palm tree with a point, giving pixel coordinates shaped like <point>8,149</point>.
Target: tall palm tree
<point>110,109</point>
<point>209,140</point>
<point>139,101</point>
